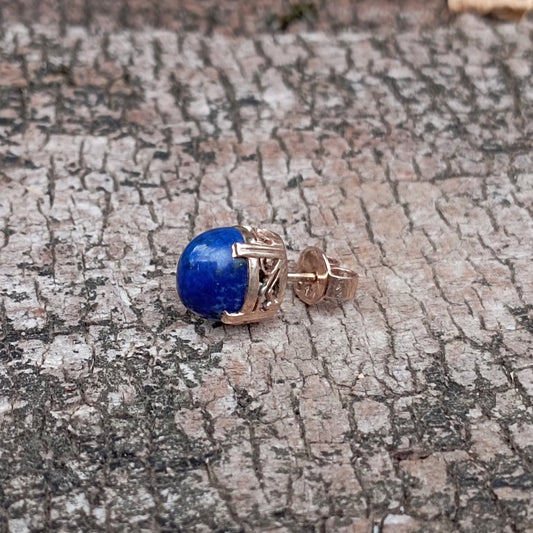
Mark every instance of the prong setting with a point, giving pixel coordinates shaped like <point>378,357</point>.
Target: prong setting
<point>267,275</point>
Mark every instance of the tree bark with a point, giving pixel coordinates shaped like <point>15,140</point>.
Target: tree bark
<point>392,137</point>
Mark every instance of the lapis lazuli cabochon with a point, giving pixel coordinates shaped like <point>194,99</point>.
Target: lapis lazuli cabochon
<point>209,279</point>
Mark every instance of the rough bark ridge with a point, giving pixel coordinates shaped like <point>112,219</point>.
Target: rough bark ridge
<point>399,144</point>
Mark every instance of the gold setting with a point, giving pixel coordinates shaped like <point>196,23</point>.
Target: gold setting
<point>267,275</point>
<point>317,276</point>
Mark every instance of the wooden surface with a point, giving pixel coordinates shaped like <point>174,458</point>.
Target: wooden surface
<point>503,9</point>
<point>395,137</point>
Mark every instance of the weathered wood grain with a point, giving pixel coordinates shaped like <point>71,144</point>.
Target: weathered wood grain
<point>398,141</point>
<point>504,9</point>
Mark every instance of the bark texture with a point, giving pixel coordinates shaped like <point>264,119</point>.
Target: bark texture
<point>504,9</point>
<point>396,140</point>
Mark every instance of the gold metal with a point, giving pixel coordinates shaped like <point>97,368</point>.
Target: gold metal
<point>267,275</point>
<point>330,280</point>
<point>317,276</point>
<point>301,277</point>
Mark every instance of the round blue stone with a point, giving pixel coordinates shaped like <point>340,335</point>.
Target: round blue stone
<point>209,279</point>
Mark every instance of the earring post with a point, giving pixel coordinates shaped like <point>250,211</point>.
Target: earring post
<point>295,277</point>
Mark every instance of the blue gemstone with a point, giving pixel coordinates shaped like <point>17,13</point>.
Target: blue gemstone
<point>210,280</point>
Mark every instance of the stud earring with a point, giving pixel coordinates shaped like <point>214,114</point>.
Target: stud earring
<point>240,274</point>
